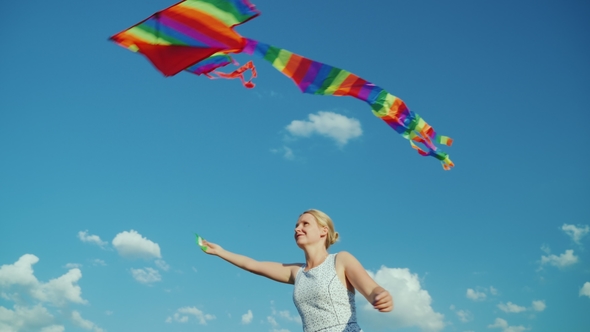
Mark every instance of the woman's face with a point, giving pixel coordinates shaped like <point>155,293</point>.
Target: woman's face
<point>307,230</point>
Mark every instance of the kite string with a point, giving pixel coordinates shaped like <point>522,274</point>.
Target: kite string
<point>239,73</point>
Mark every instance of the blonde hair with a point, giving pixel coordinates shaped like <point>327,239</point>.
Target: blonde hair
<point>324,220</point>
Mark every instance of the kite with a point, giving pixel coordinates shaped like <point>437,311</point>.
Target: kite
<point>197,36</point>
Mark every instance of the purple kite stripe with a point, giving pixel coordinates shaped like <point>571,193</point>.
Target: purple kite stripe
<point>323,73</point>
<point>366,90</point>
<point>250,46</point>
<point>401,118</point>
<point>310,75</point>
<point>209,65</point>
<point>190,32</point>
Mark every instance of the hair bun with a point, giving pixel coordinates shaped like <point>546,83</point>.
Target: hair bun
<point>334,238</point>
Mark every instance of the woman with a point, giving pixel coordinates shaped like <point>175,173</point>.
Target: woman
<point>325,284</point>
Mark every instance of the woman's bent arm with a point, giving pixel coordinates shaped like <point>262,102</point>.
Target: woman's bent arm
<point>361,281</point>
<point>276,271</point>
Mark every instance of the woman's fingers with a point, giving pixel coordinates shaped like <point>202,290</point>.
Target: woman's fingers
<point>384,307</point>
<point>381,297</point>
<point>210,247</point>
<point>383,302</point>
<point>381,306</point>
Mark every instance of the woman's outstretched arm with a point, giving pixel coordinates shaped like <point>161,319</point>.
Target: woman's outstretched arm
<point>378,296</point>
<point>276,271</point>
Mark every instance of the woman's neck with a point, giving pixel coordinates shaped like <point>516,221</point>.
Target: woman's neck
<point>315,256</point>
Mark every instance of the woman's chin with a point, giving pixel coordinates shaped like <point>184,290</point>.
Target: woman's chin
<point>300,242</point>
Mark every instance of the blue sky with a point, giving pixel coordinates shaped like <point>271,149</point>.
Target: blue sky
<point>107,168</point>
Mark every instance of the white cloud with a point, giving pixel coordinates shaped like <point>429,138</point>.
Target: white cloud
<point>182,316</point>
<point>287,315</point>
<point>98,261</point>
<point>545,248</point>
<point>514,308</point>
<point>332,125</point>
<point>475,295</point>
<point>57,291</point>
<point>24,318</point>
<point>53,328</point>
<point>511,307</point>
<point>147,275</point>
<point>93,239</point>
<point>283,314</point>
<point>412,303</point>
<point>132,245</point>
<point>19,273</point>
<point>73,266</point>
<point>539,305</point>
<point>503,324</point>
<point>285,151</point>
<point>464,315</point>
<point>61,290</point>
<point>585,290</point>
<point>83,323</point>
<point>162,265</point>
<point>247,317</point>
<point>566,259</point>
<point>260,93</point>
<point>576,233</point>
<point>272,321</point>
<point>493,290</point>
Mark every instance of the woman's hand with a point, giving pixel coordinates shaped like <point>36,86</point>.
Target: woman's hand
<point>212,248</point>
<point>382,300</point>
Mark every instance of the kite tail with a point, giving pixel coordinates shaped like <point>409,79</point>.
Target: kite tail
<point>321,79</point>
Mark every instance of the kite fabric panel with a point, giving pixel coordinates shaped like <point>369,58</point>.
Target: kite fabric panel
<point>178,37</point>
<point>197,36</point>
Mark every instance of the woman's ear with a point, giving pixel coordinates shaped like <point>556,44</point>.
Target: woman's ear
<point>325,230</point>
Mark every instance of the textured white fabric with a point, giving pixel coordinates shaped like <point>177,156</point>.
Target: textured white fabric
<point>324,304</point>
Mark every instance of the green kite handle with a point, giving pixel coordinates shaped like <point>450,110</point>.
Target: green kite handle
<point>199,241</point>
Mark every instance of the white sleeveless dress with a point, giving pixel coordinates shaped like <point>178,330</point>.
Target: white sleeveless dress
<point>324,304</point>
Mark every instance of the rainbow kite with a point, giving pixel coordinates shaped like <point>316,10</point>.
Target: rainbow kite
<point>197,36</point>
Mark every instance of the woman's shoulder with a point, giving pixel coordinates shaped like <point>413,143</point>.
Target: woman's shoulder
<point>344,258</point>
<point>295,267</point>
<point>343,255</point>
